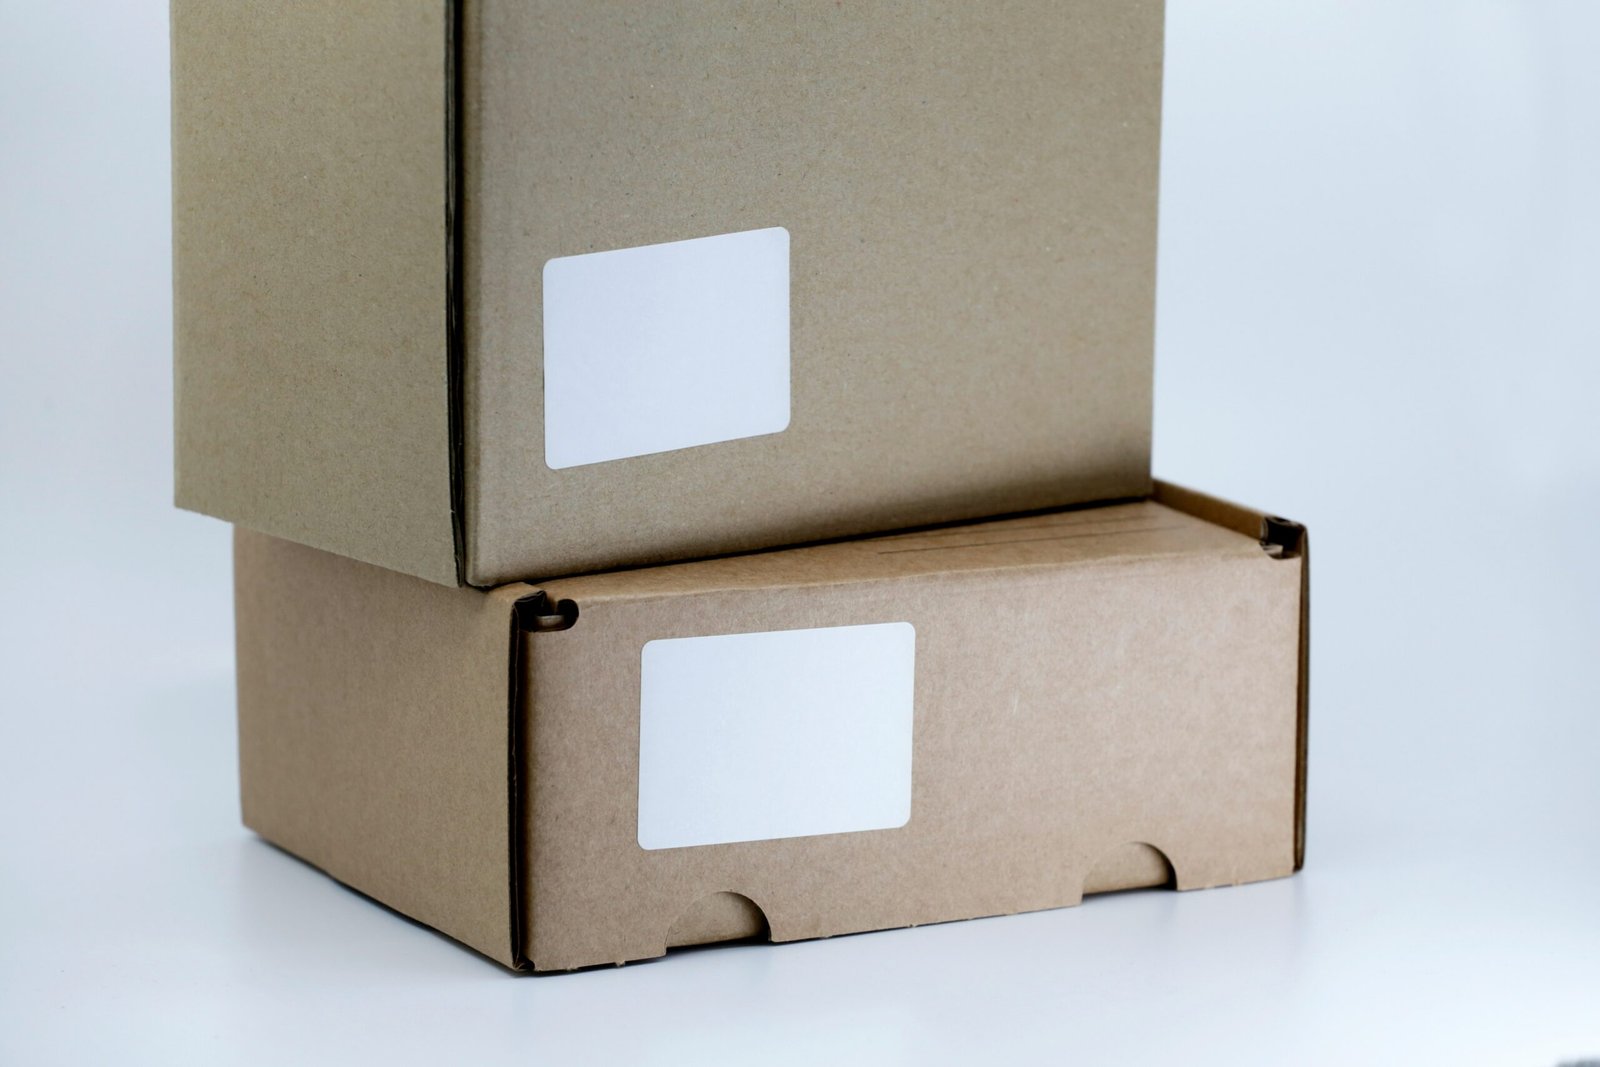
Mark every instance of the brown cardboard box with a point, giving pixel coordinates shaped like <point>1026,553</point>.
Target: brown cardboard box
<point>964,721</point>
<point>486,290</point>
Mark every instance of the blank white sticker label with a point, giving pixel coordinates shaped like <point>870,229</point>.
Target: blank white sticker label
<point>786,733</point>
<point>666,346</point>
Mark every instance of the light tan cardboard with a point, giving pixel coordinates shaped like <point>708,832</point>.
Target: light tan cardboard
<point>374,731</point>
<point>1105,698</point>
<point>309,274</point>
<point>970,192</point>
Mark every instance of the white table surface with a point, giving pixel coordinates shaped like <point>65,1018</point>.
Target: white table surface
<point>1377,315</point>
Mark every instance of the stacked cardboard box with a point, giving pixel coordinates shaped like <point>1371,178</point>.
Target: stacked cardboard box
<point>478,303</point>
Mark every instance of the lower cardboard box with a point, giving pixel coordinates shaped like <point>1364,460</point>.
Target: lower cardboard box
<point>944,724</point>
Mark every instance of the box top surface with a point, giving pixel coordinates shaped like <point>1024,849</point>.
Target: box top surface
<point>1082,536</point>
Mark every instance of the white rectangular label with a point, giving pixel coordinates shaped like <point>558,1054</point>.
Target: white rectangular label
<point>666,346</point>
<point>786,733</point>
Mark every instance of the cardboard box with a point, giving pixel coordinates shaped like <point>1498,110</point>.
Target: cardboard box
<point>963,721</point>
<point>493,290</point>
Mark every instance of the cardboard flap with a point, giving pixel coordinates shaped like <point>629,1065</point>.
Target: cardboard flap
<point>373,716</point>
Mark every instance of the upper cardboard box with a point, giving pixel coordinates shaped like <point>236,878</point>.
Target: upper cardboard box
<point>493,290</point>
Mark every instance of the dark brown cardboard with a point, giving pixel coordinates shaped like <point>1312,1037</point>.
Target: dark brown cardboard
<point>970,192</point>
<point>1105,698</point>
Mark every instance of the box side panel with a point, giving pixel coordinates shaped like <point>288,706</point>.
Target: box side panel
<point>1303,747</point>
<point>1073,728</point>
<point>374,734</point>
<point>1252,523</point>
<point>309,273</point>
<point>969,192</point>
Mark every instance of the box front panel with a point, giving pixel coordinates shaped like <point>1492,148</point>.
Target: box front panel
<point>1059,719</point>
<point>967,195</point>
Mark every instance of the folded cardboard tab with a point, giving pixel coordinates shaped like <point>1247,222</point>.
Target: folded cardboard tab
<point>962,721</point>
<point>484,291</point>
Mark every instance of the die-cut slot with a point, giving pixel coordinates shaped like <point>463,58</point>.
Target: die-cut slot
<point>719,917</point>
<point>1134,865</point>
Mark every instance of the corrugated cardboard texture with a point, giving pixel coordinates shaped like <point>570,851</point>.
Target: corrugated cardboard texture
<point>374,732</point>
<point>1085,683</point>
<point>970,191</point>
<point>309,259</point>
<point>1105,698</point>
<point>1235,517</point>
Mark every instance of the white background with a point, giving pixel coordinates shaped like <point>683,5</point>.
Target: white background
<point>1377,314</point>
